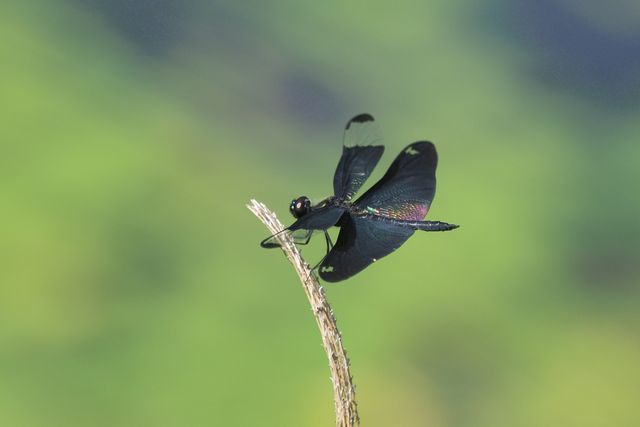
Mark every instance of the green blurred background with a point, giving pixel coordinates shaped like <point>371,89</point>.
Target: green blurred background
<point>132,288</point>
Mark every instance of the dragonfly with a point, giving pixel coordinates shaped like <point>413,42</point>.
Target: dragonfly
<point>380,220</point>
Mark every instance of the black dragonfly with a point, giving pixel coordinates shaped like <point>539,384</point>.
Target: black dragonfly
<point>380,220</point>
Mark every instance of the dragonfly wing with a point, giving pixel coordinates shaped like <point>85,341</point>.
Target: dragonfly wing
<point>362,241</point>
<point>301,230</point>
<point>318,219</point>
<point>408,187</point>
<point>359,156</point>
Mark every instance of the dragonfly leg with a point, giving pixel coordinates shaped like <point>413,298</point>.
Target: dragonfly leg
<point>308,238</point>
<point>327,238</point>
<point>268,244</point>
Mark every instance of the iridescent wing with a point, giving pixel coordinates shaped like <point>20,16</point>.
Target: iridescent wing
<point>317,219</point>
<point>407,189</point>
<point>359,157</point>
<point>362,241</point>
<point>394,208</point>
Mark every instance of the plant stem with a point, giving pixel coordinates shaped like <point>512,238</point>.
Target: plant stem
<point>344,395</point>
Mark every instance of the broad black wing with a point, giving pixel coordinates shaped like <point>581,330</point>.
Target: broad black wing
<point>318,219</point>
<point>362,241</point>
<point>407,189</point>
<point>403,195</point>
<point>359,157</point>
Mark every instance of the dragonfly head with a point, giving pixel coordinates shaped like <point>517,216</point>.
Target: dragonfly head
<point>300,206</point>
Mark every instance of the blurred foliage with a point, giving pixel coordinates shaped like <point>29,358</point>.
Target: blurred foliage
<point>133,291</point>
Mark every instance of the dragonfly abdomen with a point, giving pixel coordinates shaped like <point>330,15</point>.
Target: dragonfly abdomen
<point>417,225</point>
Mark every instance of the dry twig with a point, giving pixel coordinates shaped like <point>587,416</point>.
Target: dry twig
<point>343,389</point>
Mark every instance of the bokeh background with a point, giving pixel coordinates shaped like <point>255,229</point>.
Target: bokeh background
<point>132,288</point>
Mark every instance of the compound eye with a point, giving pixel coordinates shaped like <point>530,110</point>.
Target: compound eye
<point>300,206</point>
